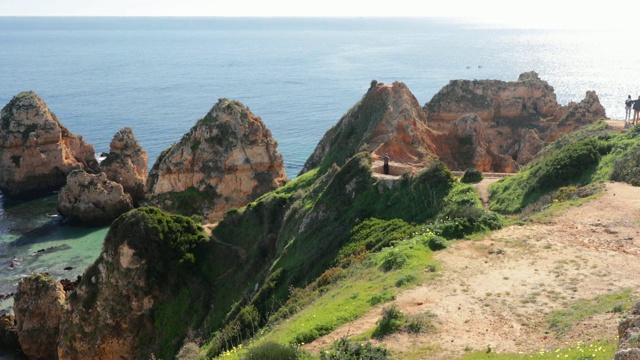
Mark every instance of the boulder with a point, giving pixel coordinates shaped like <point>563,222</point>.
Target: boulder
<point>126,164</point>
<point>388,120</point>
<point>226,160</point>
<point>39,305</point>
<point>36,151</point>
<point>629,336</point>
<point>92,199</point>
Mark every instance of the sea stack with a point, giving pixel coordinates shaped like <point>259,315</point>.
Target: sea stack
<point>92,199</point>
<point>127,164</point>
<point>226,160</point>
<point>36,151</point>
<point>39,306</point>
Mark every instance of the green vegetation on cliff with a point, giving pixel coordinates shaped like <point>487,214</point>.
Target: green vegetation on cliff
<point>594,154</point>
<point>164,274</point>
<point>167,242</point>
<point>296,244</point>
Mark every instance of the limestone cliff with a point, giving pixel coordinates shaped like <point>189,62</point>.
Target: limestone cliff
<point>389,120</point>
<point>36,151</point>
<point>92,199</point>
<point>146,261</point>
<point>39,305</point>
<point>126,164</point>
<point>463,147</point>
<point>514,121</point>
<point>227,159</point>
<point>493,99</point>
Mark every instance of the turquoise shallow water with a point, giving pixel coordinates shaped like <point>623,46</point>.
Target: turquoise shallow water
<point>33,239</point>
<point>160,75</point>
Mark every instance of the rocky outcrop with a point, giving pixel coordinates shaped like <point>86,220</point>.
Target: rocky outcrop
<point>389,120</point>
<point>629,336</point>
<point>515,120</point>
<point>9,343</point>
<point>489,125</point>
<point>39,305</point>
<point>228,159</point>
<point>126,164</point>
<point>493,99</point>
<point>92,199</point>
<point>464,147</point>
<point>145,263</point>
<point>36,151</point>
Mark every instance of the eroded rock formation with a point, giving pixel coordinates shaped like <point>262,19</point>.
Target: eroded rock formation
<point>514,120</point>
<point>145,261</point>
<point>36,151</point>
<point>227,159</point>
<point>92,199</point>
<point>389,120</point>
<point>490,125</point>
<point>493,99</point>
<point>39,305</point>
<point>127,163</point>
<point>148,259</point>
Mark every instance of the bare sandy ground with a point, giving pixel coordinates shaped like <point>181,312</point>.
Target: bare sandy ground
<point>497,290</point>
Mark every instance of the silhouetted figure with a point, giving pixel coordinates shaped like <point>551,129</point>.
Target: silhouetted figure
<point>386,164</point>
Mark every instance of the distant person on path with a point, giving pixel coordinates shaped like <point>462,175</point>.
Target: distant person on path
<point>636,110</point>
<point>386,164</point>
<point>627,107</point>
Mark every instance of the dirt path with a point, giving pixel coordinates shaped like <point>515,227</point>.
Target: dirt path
<point>499,289</point>
<point>482,188</point>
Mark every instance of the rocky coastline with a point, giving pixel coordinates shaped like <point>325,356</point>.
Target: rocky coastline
<point>163,252</point>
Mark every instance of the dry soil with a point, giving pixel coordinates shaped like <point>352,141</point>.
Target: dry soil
<point>498,290</point>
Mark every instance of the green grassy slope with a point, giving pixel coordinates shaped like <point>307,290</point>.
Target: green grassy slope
<point>594,154</point>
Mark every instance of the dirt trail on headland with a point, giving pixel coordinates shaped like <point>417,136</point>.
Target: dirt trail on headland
<point>497,291</point>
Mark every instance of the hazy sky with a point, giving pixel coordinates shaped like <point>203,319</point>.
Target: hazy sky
<point>540,12</point>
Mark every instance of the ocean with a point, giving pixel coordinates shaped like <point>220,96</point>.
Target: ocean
<point>300,75</point>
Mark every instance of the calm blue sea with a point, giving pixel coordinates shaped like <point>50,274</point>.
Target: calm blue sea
<point>300,75</point>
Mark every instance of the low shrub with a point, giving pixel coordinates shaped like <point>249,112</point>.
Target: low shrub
<point>382,297</point>
<point>420,323</point>
<point>405,279</point>
<point>627,169</point>
<point>459,221</point>
<point>565,193</point>
<point>273,351</point>
<point>569,165</point>
<point>328,277</point>
<point>436,243</point>
<point>393,320</point>
<point>344,350</point>
<point>471,176</point>
<point>393,259</point>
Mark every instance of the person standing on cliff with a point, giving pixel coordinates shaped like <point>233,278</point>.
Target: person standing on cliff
<point>386,164</point>
<point>627,107</point>
<point>636,111</point>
